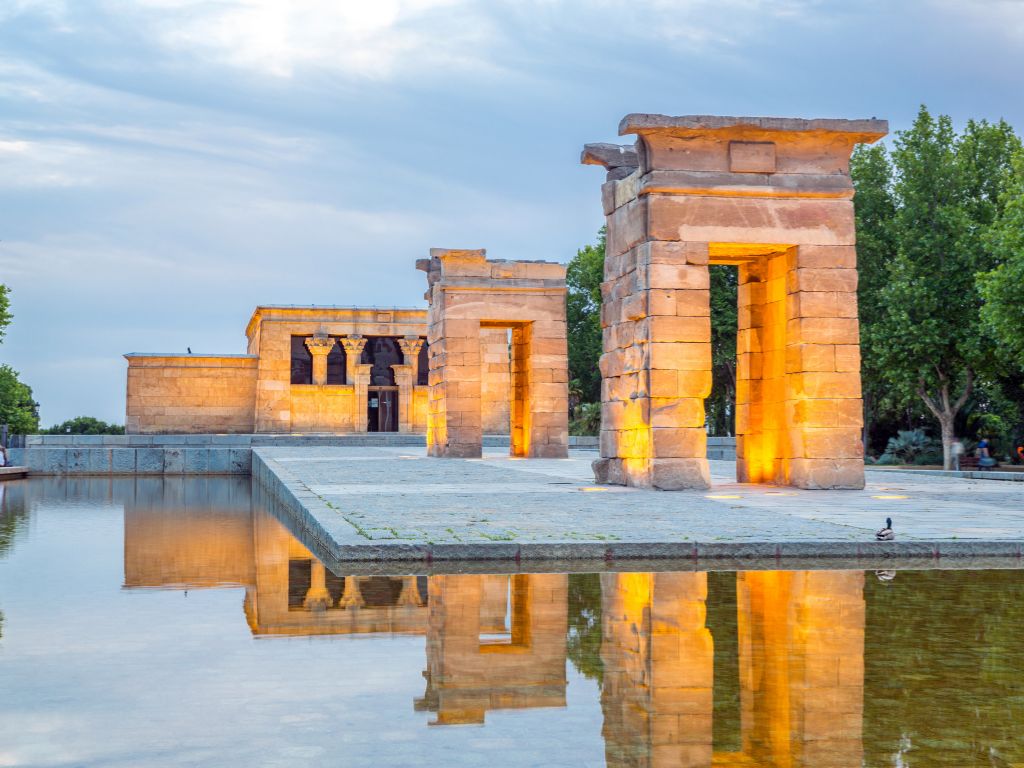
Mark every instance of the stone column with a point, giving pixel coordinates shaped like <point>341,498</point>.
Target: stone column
<point>357,375</point>
<point>317,598</point>
<point>405,377</point>
<point>320,347</point>
<point>454,429</point>
<point>656,364</point>
<point>410,594</point>
<point>822,393</point>
<point>411,346</point>
<point>405,381</point>
<point>351,597</point>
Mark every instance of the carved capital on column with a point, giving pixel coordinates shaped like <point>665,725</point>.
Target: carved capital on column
<point>410,346</point>
<point>320,345</point>
<point>353,345</point>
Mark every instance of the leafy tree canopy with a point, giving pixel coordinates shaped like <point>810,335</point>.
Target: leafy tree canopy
<point>84,425</point>
<point>17,408</point>
<point>5,310</point>
<point>1003,287</point>
<point>583,314</point>
<point>922,241</point>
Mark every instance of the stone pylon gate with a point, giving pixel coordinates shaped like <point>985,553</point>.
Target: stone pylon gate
<point>469,297</point>
<point>772,196</point>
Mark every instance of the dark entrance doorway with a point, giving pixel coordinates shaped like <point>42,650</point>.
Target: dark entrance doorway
<point>382,409</point>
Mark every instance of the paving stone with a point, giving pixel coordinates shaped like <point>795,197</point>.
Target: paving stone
<point>498,506</point>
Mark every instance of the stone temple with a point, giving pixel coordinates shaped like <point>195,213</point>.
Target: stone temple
<point>771,197</point>
<point>488,356</point>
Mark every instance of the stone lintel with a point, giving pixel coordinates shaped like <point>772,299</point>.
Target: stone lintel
<point>858,131</point>
<point>726,184</point>
<point>513,286</point>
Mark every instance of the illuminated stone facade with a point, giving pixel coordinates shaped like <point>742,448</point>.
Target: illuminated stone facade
<point>772,196</point>
<point>308,370</point>
<point>469,295</point>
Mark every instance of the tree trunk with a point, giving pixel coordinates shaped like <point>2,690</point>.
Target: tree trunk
<point>946,424</point>
<point>946,411</point>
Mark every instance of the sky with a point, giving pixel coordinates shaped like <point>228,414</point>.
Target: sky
<point>167,165</point>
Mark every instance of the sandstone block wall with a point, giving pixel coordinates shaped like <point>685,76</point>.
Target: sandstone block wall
<point>495,381</point>
<point>772,197</point>
<point>468,293</point>
<point>190,393</point>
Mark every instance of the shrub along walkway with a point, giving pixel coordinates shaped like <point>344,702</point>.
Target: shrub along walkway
<point>396,504</point>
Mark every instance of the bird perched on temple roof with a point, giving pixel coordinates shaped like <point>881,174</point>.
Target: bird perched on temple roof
<point>887,533</point>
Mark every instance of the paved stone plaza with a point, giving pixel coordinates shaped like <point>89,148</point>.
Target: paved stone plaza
<point>397,503</point>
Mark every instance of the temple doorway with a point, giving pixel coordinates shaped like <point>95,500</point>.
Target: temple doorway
<point>382,409</point>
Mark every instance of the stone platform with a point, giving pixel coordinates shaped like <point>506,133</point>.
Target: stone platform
<point>394,503</point>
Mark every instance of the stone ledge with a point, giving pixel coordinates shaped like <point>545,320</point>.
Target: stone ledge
<point>973,474</point>
<point>637,122</point>
<point>338,543</point>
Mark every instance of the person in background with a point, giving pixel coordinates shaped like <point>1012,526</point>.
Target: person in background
<point>957,449</point>
<point>1020,453</point>
<point>985,455</point>
<point>3,456</point>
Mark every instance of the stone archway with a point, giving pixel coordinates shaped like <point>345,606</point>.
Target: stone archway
<point>774,197</point>
<point>467,295</point>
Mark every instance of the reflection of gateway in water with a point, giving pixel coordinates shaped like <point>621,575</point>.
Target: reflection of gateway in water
<point>499,642</point>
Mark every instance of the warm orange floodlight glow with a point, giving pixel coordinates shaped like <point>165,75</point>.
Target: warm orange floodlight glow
<point>592,489</point>
<point>724,496</point>
<point>890,496</point>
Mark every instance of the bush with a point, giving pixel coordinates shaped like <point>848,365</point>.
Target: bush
<point>586,420</point>
<point>912,446</point>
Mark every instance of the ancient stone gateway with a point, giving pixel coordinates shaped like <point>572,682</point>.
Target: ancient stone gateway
<point>772,196</point>
<point>469,297</point>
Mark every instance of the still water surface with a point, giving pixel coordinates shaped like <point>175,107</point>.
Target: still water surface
<point>151,622</point>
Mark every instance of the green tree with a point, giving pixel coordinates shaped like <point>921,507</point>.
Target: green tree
<point>929,341</point>
<point>1003,287</point>
<point>720,405</point>
<point>17,408</point>
<point>871,172</point>
<point>583,314</point>
<point>84,425</point>
<point>5,310</point>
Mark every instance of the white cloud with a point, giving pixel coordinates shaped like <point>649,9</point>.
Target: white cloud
<point>365,40</point>
<point>26,164</point>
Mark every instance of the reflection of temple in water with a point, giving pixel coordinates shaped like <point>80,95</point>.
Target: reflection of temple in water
<point>495,642</point>
<point>795,640</point>
<point>801,669</point>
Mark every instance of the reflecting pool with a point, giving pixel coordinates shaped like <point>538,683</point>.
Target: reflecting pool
<point>157,621</point>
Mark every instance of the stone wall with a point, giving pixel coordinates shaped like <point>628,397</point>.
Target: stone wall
<point>495,380</point>
<point>190,393</point>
